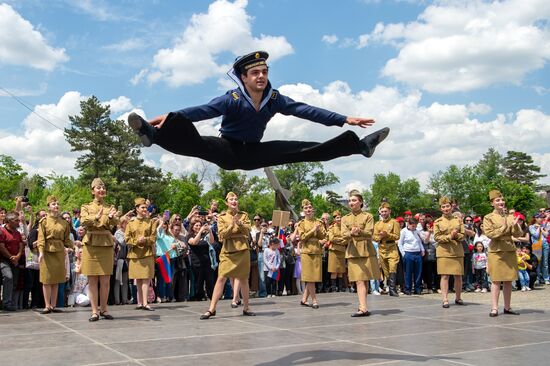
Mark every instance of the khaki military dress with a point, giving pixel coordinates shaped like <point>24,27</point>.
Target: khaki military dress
<point>502,264</point>
<point>235,254</point>
<point>387,247</point>
<point>53,236</point>
<point>337,249</point>
<point>311,250</point>
<point>449,251</point>
<point>360,253</point>
<point>98,243</point>
<point>141,257</point>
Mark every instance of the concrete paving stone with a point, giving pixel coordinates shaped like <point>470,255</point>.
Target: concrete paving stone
<point>457,340</point>
<point>322,353</point>
<point>409,330</point>
<point>64,355</point>
<point>222,343</point>
<point>520,354</point>
<point>44,340</point>
<point>171,330</point>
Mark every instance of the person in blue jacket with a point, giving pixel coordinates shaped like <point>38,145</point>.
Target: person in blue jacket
<point>246,112</point>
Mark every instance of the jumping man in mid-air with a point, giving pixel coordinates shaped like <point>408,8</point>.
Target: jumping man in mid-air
<point>246,111</point>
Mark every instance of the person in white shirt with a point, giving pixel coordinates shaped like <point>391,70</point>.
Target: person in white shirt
<point>412,250</point>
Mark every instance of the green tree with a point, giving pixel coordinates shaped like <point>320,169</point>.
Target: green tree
<point>180,194</point>
<point>402,195</point>
<point>489,169</point>
<point>70,192</point>
<point>520,168</point>
<point>302,179</point>
<point>112,152</point>
<point>11,176</point>
<point>89,133</point>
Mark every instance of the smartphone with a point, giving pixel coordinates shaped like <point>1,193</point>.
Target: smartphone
<point>25,195</point>
<point>166,216</point>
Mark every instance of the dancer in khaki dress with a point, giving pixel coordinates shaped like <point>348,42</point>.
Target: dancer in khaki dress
<point>336,252</point>
<point>502,265</point>
<point>358,227</point>
<point>233,232</point>
<point>53,237</point>
<point>386,233</point>
<point>310,232</point>
<point>99,219</point>
<point>140,237</point>
<point>448,233</point>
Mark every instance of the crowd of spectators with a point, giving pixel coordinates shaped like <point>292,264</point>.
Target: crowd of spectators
<point>193,248</point>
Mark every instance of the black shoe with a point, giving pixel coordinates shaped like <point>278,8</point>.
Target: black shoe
<point>56,310</point>
<point>315,305</point>
<point>493,313</point>
<point>145,131</point>
<point>105,315</point>
<point>46,311</point>
<point>408,293</point>
<point>207,315</point>
<point>510,312</point>
<point>234,305</point>
<point>369,142</point>
<point>139,307</point>
<point>360,313</point>
<point>10,308</point>
<point>304,303</point>
<point>459,302</point>
<point>94,318</point>
<point>445,304</point>
<point>248,313</point>
<point>148,308</point>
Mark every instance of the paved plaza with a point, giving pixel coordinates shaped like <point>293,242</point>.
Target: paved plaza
<point>409,330</point>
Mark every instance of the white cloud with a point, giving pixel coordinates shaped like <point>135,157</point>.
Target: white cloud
<point>459,46</point>
<point>120,104</point>
<point>329,38</point>
<point>41,147</point>
<point>127,45</point>
<point>21,44</point>
<point>226,27</point>
<point>97,9</point>
<point>424,138</point>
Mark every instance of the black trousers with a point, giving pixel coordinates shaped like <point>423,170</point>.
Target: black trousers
<point>179,135</point>
<point>204,279</point>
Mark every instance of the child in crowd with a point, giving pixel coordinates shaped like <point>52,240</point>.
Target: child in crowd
<point>272,262</point>
<point>479,267</point>
<point>522,269</point>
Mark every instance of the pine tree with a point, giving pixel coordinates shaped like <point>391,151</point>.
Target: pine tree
<point>112,152</point>
<point>519,168</point>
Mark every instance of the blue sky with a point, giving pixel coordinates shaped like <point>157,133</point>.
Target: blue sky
<point>450,78</point>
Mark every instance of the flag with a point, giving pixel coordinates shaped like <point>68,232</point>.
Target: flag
<point>282,236</point>
<point>164,266</point>
<point>275,275</point>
